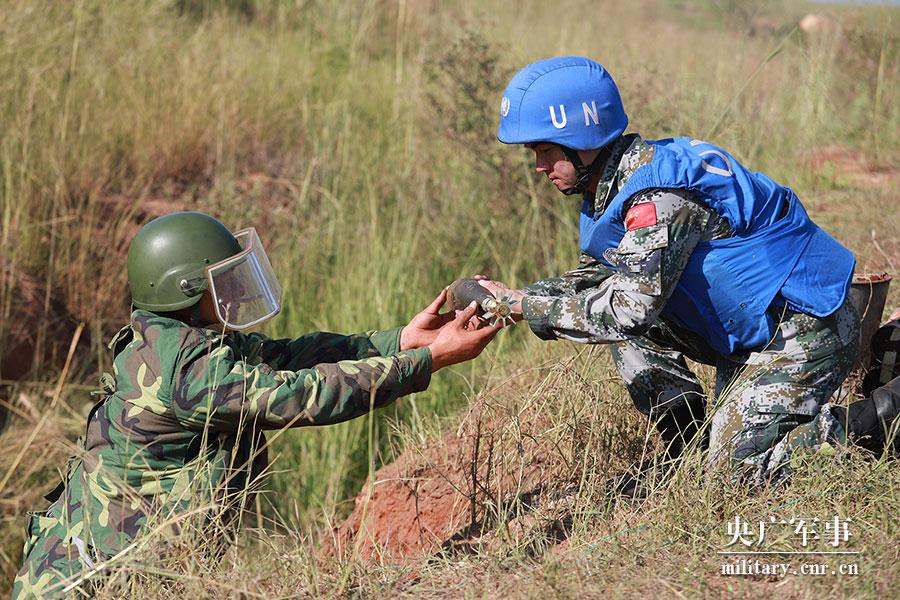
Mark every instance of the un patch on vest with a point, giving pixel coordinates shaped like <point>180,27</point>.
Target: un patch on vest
<point>642,215</point>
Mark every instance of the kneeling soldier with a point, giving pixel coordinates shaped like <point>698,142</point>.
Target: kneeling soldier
<point>687,253</point>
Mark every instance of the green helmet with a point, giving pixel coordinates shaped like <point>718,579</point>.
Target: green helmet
<point>168,258</point>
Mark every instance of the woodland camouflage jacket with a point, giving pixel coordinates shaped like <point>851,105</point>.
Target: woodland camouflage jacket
<point>182,419</point>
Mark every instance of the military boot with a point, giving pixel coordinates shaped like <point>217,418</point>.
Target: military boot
<point>868,422</point>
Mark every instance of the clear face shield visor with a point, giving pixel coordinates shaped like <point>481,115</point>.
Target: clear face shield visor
<point>244,288</point>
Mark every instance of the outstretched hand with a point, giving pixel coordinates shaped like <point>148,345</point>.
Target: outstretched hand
<point>500,290</point>
<point>423,327</point>
<point>461,339</point>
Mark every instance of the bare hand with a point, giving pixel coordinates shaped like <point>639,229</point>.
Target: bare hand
<point>423,328</point>
<point>500,290</point>
<point>461,339</point>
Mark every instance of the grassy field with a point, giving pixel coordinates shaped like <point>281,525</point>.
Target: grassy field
<point>359,138</point>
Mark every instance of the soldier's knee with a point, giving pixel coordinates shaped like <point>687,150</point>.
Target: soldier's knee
<point>764,434</point>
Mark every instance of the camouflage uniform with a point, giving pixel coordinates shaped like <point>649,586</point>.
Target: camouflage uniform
<point>769,400</point>
<point>183,420</point>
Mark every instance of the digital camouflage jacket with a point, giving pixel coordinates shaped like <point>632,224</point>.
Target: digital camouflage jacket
<point>183,418</point>
<point>596,304</point>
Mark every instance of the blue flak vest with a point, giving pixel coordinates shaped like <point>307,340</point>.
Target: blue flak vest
<point>776,254</point>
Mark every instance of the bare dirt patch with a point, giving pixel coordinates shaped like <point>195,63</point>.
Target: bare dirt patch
<point>39,328</point>
<point>411,507</point>
<point>446,497</point>
<point>509,474</point>
<point>853,166</point>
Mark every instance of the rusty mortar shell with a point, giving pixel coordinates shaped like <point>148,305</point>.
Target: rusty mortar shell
<point>463,292</point>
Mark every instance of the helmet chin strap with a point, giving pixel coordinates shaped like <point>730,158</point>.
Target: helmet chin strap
<point>582,172</point>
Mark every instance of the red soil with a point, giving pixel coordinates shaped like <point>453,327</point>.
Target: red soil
<point>412,509</point>
<point>452,494</point>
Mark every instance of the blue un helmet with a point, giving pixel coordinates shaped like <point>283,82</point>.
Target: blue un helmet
<point>571,101</point>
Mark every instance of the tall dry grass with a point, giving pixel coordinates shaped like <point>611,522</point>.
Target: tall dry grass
<point>359,138</point>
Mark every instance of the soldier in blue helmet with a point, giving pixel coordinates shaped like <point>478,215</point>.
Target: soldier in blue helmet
<point>688,253</point>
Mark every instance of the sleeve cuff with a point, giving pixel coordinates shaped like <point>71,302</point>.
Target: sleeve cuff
<point>387,342</point>
<point>415,369</point>
<point>536,310</point>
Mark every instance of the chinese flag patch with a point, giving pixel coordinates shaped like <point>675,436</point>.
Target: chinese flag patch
<point>642,215</point>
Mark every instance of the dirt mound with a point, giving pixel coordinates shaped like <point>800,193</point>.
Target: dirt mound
<point>412,507</point>
<point>511,472</point>
<point>445,497</point>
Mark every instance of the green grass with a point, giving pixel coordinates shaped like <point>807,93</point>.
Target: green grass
<point>359,139</point>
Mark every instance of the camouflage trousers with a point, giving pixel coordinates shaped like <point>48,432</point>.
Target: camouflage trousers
<point>768,402</point>
<point>53,558</point>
